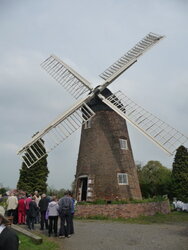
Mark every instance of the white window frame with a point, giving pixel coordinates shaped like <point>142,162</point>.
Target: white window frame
<point>87,124</point>
<point>123,144</point>
<point>122,179</point>
<point>90,181</point>
<point>89,194</point>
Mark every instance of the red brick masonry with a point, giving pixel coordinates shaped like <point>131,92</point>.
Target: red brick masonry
<point>123,210</point>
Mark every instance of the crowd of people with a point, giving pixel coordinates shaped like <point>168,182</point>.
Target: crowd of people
<point>54,215</point>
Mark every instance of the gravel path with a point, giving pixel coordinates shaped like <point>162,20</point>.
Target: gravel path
<point>104,235</point>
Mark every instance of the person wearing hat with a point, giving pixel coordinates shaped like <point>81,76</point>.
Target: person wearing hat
<point>8,238</point>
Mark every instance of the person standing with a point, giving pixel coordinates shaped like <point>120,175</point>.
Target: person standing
<point>72,213</point>
<point>37,199</point>
<point>43,205</point>
<point>65,205</point>
<point>8,238</point>
<point>32,213</point>
<point>12,203</point>
<point>21,211</point>
<point>27,202</point>
<point>53,213</point>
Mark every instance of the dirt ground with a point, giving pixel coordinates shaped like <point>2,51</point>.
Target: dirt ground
<point>104,235</point>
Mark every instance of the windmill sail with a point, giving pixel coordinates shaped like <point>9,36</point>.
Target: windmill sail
<point>45,141</point>
<point>73,82</point>
<point>130,57</point>
<point>158,131</point>
<point>165,136</point>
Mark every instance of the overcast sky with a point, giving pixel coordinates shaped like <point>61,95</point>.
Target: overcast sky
<point>89,36</point>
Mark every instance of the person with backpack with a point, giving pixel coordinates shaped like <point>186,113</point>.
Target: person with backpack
<point>65,206</point>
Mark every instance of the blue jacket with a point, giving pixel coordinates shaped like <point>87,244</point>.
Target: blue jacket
<point>65,203</point>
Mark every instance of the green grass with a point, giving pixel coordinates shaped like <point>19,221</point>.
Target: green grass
<point>173,217</point>
<point>28,244</point>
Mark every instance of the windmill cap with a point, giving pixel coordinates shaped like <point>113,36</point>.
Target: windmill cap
<point>96,103</point>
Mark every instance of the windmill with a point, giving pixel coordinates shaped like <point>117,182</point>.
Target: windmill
<point>105,168</point>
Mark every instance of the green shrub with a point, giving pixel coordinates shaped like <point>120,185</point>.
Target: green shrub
<point>104,202</point>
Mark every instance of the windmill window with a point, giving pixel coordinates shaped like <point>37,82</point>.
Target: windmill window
<point>123,144</point>
<point>87,124</point>
<point>89,194</point>
<point>90,181</point>
<point>122,179</point>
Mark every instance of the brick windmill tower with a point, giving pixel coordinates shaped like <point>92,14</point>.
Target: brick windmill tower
<point>105,168</point>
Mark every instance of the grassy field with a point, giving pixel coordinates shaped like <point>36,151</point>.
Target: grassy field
<point>173,217</point>
<point>27,244</point>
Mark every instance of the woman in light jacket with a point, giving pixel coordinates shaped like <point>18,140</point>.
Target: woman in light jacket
<point>53,214</point>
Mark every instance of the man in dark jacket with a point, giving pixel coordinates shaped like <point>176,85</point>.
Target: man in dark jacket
<point>65,206</point>
<point>43,205</point>
<point>8,238</point>
<point>32,213</point>
<point>72,214</point>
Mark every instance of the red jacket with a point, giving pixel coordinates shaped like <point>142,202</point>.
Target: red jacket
<point>27,201</point>
<point>21,205</point>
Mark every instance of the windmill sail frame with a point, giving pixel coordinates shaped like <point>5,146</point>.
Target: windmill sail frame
<point>73,82</point>
<point>158,131</point>
<point>56,132</point>
<point>124,62</point>
<point>161,133</point>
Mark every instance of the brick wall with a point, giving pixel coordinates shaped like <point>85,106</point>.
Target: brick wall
<point>123,210</point>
